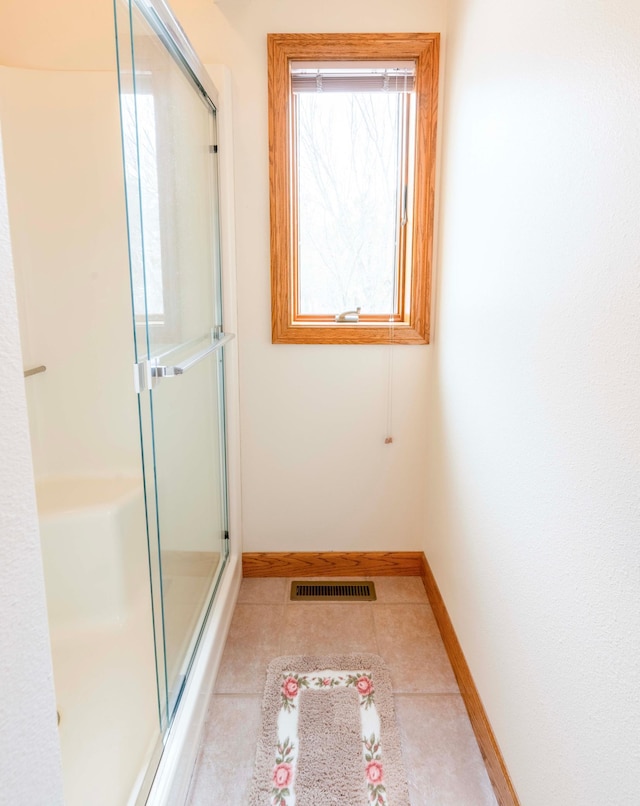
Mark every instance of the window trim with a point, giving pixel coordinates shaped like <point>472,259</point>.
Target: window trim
<point>284,48</point>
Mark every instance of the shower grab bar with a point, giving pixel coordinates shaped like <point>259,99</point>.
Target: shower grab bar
<point>35,371</point>
<point>160,371</point>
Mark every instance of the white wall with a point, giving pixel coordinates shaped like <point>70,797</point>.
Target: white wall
<point>58,35</point>
<point>30,766</point>
<point>316,473</point>
<point>533,498</point>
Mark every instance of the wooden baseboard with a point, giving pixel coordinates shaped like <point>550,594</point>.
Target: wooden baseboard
<point>332,563</point>
<point>496,768</point>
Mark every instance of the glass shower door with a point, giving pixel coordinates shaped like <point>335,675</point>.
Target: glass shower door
<point>170,159</point>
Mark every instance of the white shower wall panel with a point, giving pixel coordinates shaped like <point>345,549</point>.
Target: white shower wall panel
<point>68,229</point>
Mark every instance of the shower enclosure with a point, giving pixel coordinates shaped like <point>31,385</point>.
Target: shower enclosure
<point>117,248</point>
<point>169,137</point>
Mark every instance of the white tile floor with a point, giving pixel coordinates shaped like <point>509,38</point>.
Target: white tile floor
<point>443,762</point>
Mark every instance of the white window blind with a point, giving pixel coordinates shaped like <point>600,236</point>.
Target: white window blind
<point>353,77</point>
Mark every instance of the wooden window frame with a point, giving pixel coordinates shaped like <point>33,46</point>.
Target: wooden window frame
<point>287,328</point>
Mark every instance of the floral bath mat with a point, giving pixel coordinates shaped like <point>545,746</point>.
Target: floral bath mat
<point>328,735</point>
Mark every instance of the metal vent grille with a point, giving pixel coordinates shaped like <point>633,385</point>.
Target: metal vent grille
<point>341,591</point>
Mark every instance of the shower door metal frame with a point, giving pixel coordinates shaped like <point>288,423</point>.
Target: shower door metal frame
<point>149,372</point>
<point>161,19</point>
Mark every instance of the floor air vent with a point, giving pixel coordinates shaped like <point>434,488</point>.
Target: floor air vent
<point>340,591</point>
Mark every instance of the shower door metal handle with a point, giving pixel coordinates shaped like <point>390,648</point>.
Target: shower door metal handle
<point>160,371</point>
<point>147,373</point>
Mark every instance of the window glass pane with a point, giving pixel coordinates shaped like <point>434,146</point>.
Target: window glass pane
<point>348,172</point>
<point>149,196</point>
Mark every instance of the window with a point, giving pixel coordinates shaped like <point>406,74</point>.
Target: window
<point>150,284</point>
<point>352,124</point>
<point>141,167</point>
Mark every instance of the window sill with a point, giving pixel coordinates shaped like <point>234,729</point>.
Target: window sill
<point>361,333</point>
